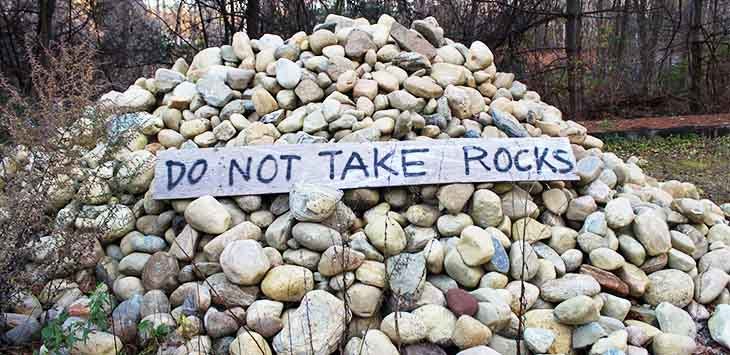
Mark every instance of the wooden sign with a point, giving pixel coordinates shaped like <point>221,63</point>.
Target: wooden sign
<point>264,169</point>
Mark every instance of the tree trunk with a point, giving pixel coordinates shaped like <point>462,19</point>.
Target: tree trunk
<point>573,52</point>
<point>695,57</point>
<point>252,18</point>
<point>46,9</point>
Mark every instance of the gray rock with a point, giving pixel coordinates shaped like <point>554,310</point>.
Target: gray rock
<point>214,91</point>
<point>577,311</point>
<point>288,73</point>
<point>508,124</point>
<point>311,203</point>
<point>406,274</point>
<point>538,340</point>
<point>569,286</point>
<point>719,325</point>
<point>675,320</point>
<point>316,324</point>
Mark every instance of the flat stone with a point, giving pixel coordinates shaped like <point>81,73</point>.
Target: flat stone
<point>411,40</point>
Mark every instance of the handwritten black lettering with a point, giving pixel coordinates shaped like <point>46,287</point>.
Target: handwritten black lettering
<point>289,158</point>
<point>540,158</point>
<point>259,172</point>
<point>351,166</point>
<point>502,151</point>
<point>245,173</point>
<point>405,163</point>
<point>381,162</point>
<point>171,183</point>
<point>558,155</point>
<point>198,163</point>
<point>467,158</point>
<point>331,154</point>
<point>519,166</point>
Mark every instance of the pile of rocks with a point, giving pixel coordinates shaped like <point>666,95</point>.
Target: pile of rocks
<point>616,263</point>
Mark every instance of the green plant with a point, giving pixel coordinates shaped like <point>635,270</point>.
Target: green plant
<point>55,337</point>
<point>99,302</point>
<point>154,335</point>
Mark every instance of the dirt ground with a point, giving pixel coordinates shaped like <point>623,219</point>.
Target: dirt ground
<point>704,161</point>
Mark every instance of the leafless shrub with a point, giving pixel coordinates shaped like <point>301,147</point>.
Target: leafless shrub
<point>44,134</point>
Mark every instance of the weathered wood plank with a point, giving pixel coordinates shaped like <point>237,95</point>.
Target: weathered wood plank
<point>264,169</point>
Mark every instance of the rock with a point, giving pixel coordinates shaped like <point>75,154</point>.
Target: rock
<point>475,246</point>
<point>439,323</point>
<point>530,230</point>
<point>242,231</point>
<point>407,329</point>
<point>500,260</point>
<point>467,276</point>
<point>478,350</point>
<point>336,260</point>
<point>430,29</point>
<point>219,324</point>
<point>710,284</point>
<point>288,73</point>
<point>545,319</point>
<point>653,233</point>
<point>263,102</point>
<point>98,343</point>
<point>619,213</point>
<point>374,342</point>
<point>508,124</point>
<point>214,91</point>
<point>238,79</point>
<point>480,57</point>
<point>135,171</point>
<point>316,324</point>
<point>616,341</point>
<point>486,208</point>
<point>538,340</point>
<point>445,74</point>
<point>673,286</point>
<point>422,87</point>
<point>358,43</point>
<point>308,91</point>
<point>719,325</point>
<point>135,99</point>
<point>244,262</point>
<point>364,300</point>
<point>248,342</point>
<point>672,344</point>
<point>208,215</point>
<point>315,236</point>
<point>160,272</point>
<point>606,259</point>
<point>264,317</point>
<point>675,320</point>
<point>166,79</point>
<point>406,274</point>
<point>386,235</point>
<point>461,302</point>
<point>411,41</point>
<point>185,244</point>
<point>470,333</point>
<point>423,349</point>
<point>576,311</point>
<point>287,283</point>
<point>569,286</point>
<point>523,261</point>
<point>312,203</point>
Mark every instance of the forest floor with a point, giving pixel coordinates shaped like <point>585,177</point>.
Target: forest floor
<point>704,161</point>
